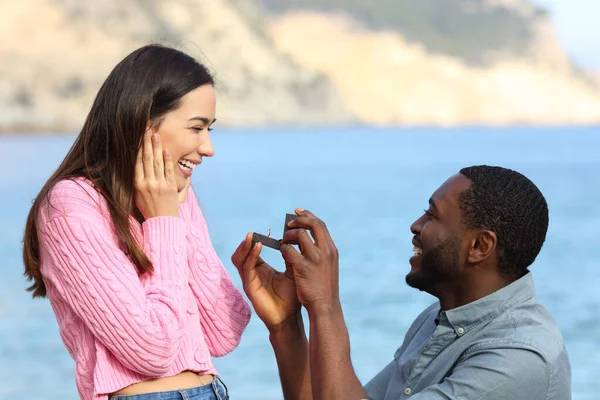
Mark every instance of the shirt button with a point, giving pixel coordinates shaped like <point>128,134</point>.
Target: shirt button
<point>460,331</point>
<point>407,391</point>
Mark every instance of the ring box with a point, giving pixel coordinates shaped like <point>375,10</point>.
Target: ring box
<point>268,240</point>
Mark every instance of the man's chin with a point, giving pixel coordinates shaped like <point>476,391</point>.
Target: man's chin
<point>415,280</point>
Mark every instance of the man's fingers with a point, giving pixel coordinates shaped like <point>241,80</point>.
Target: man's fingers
<point>291,256</point>
<point>301,212</point>
<point>300,237</point>
<point>249,267</point>
<point>317,228</point>
<point>252,258</point>
<point>245,259</point>
<point>241,253</point>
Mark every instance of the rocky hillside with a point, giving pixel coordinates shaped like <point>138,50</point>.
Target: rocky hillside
<point>389,62</point>
<point>472,30</point>
<point>454,62</point>
<point>55,54</point>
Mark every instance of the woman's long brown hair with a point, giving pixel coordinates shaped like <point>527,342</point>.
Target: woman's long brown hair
<point>141,89</point>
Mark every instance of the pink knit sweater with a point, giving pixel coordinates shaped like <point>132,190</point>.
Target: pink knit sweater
<point>122,328</point>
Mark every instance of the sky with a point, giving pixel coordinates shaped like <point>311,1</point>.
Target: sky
<point>577,24</point>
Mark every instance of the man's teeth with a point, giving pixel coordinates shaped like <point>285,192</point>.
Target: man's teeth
<point>187,164</point>
<point>417,250</point>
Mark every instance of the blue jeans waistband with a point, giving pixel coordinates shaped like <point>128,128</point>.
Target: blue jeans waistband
<point>216,390</point>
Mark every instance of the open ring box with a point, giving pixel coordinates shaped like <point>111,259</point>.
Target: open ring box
<point>268,240</point>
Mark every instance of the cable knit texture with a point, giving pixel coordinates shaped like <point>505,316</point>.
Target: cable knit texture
<point>122,328</point>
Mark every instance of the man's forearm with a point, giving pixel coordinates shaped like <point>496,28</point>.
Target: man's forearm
<point>332,374</point>
<point>291,351</point>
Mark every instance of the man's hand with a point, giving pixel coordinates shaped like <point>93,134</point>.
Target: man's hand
<point>315,270</point>
<point>273,296</point>
<point>272,293</point>
<point>315,267</point>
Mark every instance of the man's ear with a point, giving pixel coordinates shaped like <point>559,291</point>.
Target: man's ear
<point>483,245</point>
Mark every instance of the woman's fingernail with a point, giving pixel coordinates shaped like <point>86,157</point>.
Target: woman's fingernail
<point>155,138</point>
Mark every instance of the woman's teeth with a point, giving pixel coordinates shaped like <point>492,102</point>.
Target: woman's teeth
<point>417,250</point>
<point>187,165</point>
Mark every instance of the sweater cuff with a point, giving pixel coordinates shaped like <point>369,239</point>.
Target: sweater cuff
<point>164,230</point>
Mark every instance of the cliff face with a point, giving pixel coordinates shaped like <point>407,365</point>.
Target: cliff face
<point>55,54</point>
<point>475,31</point>
<point>387,80</point>
<point>302,62</point>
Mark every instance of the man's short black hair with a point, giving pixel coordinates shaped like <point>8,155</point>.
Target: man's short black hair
<point>510,205</point>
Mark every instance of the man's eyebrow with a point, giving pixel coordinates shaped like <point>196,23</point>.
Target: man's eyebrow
<point>202,119</point>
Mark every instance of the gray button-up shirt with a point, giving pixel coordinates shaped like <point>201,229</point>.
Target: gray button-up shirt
<point>505,346</point>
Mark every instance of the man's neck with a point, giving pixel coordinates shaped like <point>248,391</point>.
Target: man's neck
<point>469,288</point>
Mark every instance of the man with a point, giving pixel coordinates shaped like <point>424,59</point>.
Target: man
<point>486,337</point>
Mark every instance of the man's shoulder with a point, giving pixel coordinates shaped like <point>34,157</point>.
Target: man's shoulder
<point>528,326</point>
<point>534,334</point>
<point>535,325</point>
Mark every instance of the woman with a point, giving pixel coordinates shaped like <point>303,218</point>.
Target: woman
<point>117,242</point>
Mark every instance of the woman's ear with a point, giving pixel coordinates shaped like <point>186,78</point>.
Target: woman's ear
<point>483,245</point>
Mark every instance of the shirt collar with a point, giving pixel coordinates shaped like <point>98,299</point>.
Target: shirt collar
<point>464,318</point>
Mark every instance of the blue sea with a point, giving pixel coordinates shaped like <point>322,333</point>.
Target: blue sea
<point>368,185</point>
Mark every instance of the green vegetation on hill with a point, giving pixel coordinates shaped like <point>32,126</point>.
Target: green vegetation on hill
<point>463,28</point>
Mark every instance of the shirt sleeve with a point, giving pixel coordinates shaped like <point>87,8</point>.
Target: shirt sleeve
<point>138,320</point>
<point>377,386</point>
<point>223,310</point>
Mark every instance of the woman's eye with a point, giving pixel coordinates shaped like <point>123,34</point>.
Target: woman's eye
<point>198,129</point>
